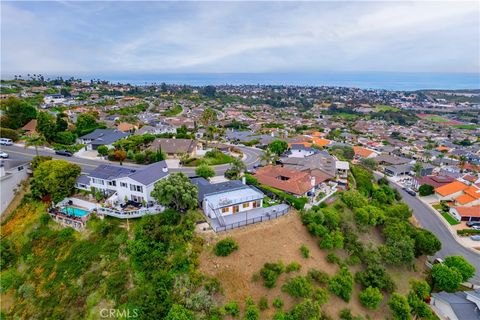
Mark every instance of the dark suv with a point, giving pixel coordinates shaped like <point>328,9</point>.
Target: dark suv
<point>473,223</point>
<point>63,153</point>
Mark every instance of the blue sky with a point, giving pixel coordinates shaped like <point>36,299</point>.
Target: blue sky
<point>168,37</point>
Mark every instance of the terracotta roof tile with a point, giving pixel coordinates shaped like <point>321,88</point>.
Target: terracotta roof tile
<point>451,188</point>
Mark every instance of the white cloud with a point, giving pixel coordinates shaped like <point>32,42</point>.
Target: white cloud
<point>101,37</point>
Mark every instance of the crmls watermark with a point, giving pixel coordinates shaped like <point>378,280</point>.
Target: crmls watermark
<point>118,313</point>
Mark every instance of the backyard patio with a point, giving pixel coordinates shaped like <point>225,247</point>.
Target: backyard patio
<point>245,218</point>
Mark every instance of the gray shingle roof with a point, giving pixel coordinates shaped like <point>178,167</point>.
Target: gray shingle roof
<point>151,173</point>
<point>206,188</point>
<point>145,175</point>
<point>105,136</point>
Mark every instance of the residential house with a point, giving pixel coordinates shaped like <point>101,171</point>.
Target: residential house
<point>398,170</point>
<point>361,152</point>
<point>102,137</point>
<point>227,198</point>
<point>434,181</point>
<point>297,183</point>
<point>300,151</point>
<point>460,193</point>
<point>12,173</point>
<point>126,127</point>
<point>30,128</point>
<point>385,159</point>
<point>233,204</point>
<point>464,305</point>
<point>466,213</point>
<point>121,184</point>
<point>175,147</point>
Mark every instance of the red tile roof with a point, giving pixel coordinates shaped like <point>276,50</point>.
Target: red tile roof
<point>451,188</point>
<point>473,211</point>
<point>288,180</point>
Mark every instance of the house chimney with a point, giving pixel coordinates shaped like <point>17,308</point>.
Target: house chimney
<point>244,180</point>
<point>312,181</point>
<point>165,169</point>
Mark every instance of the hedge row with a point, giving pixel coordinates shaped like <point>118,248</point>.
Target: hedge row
<point>297,203</point>
<point>467,232</point>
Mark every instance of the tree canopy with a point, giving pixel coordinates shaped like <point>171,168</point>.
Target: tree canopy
<point>55,178</point>
<point>17,112</point>
<point>176,191</point>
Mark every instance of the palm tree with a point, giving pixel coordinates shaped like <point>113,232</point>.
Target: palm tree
<point>417,168</point>
<point>238,165</point>
<point>268,157</point>
<point>36,141</point>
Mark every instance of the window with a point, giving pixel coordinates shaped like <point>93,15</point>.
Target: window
<point>134,187</point>
<point>256,204</point>
<point>97,181</point>
<point>137,198</point>
<point>245,205</point>
<point>112,183</point>
<point>225,210</point>
<point>123,184</point>
<point>20,168</point>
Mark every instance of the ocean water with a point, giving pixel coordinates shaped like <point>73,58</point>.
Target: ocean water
<point>363,80</point>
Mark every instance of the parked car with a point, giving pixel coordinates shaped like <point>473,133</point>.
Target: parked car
<point>6,141</point>
<point>473,223</point>
<point>63,153</point>
<point>476,227</point>
<point>475,237</point>
<point>3,155</point>
<point>410,192</point>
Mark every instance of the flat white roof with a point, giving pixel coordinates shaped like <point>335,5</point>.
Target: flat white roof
<point>229,198</point>
<point>342,165</point>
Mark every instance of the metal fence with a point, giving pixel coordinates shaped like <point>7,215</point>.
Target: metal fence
<point>247,222</point>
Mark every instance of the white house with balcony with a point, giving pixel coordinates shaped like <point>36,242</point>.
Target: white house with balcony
<point>121,184</point>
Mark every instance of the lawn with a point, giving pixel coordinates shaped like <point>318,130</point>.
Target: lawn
<point>383,108</point>
<point>173,111</point>
<point>450,219</point>
<point>466,126</point>
<point>438,119</point>
<point>211,158</point>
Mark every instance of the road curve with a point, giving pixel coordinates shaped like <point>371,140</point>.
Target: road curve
<point>430,220</point>
<point>252,156</point>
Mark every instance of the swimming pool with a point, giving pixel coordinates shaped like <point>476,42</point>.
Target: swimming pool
<point>77,212</point>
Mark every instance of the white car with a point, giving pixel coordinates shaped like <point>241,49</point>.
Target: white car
<point>475,227</point>
<point>6,141</point>
<point>3,155</point>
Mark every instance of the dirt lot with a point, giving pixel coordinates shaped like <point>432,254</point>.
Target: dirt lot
<point>272,241</point>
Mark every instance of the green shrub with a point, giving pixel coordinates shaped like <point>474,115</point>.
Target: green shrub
<point>371,297</point>
<point>297,203</point>
<point>298,287</point>
<point>305,251</point>
<point>225,247</point>
<point>320,295</point>
<point>294,266</point>
<point>270,273</point>
<point>467,232</point>
<point>333,258</point>
<point>263,303</point>
<point>277,303</point>
<point>342,284</point>
<point>8,133</point>
<point>232,309</point>
<point>320,277</point>
<point>399,307</point>
<point>251,310</point>
<point>426,190</point>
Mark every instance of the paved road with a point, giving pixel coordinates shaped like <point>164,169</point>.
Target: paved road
<point>87,165</point>
<point>430,220</point>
